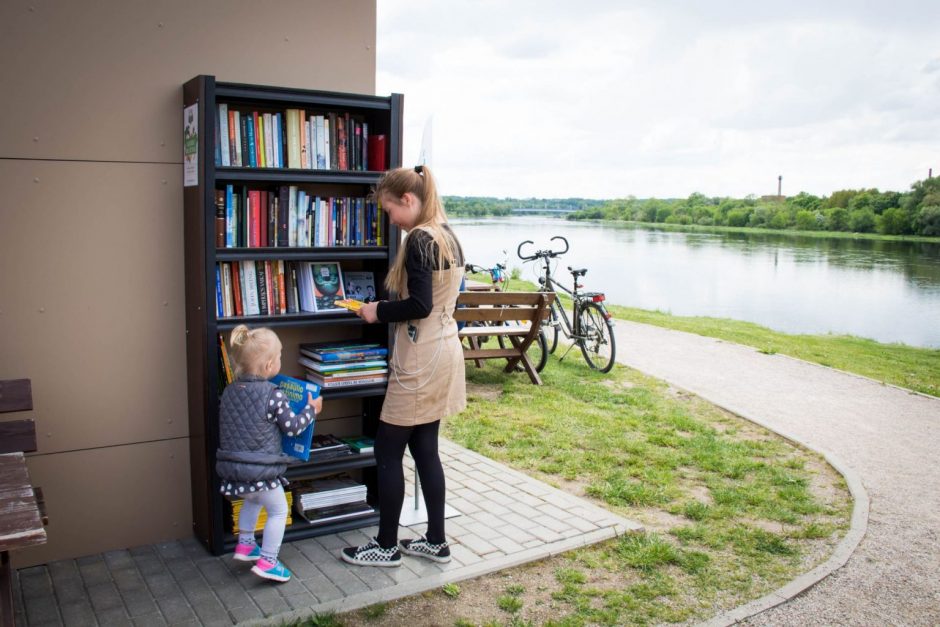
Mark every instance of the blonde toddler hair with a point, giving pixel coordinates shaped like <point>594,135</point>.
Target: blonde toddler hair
<point>252,349</point>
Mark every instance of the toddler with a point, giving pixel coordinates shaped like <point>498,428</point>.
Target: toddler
<point>249,461</point>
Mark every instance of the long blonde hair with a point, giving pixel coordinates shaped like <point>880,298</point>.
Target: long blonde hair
<point>431,219</point>
<point>252,349</point>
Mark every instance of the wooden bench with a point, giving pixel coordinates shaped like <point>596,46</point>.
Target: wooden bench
<point>523,312</point>
<point>23,516</point>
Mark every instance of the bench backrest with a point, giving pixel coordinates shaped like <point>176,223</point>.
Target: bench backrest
<point>496,306</point>
<point>17,435</point>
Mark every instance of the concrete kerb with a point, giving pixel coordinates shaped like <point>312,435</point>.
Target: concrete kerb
<point>417,586</point>
<point>857,529</point>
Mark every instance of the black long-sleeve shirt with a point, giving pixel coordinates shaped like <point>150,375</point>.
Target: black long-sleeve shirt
<point>420,262</point>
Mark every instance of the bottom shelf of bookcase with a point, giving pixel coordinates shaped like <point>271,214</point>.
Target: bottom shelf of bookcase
<point>301,530</point>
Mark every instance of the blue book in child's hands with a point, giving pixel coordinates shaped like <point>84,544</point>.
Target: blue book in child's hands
<point>296,391</point>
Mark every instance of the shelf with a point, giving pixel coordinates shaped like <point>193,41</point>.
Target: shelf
<point>355,392</point>
<point>295,176</point>
<point>265,95</point>
<point>290,320</point>
<point>332,253</point>
<point>347,462</point>
<point>302,529</point>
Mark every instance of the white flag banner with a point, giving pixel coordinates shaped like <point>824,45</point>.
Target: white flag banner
<point>424,157</point>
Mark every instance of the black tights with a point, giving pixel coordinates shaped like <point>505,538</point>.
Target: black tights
<point>390,441</point>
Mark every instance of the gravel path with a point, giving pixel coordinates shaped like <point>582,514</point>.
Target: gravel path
<point>888,437</point>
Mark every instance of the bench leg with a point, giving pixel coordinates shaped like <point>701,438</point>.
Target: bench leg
<point>475,345</point>
<point>523,359</point>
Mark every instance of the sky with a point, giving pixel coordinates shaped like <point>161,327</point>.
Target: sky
<point>608,99</point>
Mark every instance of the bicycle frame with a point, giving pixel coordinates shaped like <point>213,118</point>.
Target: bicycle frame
<point>589,327</point>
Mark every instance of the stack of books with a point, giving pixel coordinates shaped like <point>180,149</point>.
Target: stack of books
<point>327,446</point>
<point>263,516</point>
<point>335,498</point>
<point>345,364</point>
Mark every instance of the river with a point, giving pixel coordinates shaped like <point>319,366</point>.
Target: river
<point>886,291</point>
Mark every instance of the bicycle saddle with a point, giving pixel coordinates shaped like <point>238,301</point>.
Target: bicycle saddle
<point>577,271</point>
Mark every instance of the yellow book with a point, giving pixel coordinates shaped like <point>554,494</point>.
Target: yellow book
<point>349,303</point>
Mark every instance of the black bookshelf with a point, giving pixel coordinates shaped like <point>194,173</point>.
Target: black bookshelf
<point>384,115</point>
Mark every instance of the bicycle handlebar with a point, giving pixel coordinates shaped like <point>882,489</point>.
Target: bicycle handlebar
<point>542,253</point>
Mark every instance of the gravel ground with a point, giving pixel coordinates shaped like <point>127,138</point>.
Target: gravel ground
<point>889,437</point>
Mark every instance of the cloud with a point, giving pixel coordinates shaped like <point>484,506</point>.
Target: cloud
<point>596,100</point>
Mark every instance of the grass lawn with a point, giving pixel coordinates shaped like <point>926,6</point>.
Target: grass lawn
<point>731,511</point>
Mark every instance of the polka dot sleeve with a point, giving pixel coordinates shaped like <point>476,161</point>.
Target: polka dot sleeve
<point>287,421</point>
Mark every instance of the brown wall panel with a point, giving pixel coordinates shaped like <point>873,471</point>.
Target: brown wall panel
<point>108,498</point>
<point>91,242</point>
<point>101,80</point>
<point>95,305</point>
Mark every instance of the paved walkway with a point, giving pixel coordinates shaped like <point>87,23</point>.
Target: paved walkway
<point>507,518</point>
<point>886,436</point>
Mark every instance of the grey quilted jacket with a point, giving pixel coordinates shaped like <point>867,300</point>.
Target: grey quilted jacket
<point>249,441</point>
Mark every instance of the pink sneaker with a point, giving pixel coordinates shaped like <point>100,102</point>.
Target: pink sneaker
<point>275,572</point>
<point>247,553</point>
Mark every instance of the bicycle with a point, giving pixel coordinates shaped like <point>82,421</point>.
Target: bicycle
<point>589,326</point>
<point>538,350</point>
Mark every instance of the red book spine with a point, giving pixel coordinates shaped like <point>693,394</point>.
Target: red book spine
<point>281,287</point>
<point>237,287</point>
<point>231,138</point>
<point>377,153</point>
<point>254,213</point>
<point>263,218</point>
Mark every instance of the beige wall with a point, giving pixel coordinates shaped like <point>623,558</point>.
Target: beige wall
<point>91,241</point>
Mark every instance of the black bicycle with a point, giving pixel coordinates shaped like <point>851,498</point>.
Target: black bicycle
<point>538,349</point>
<point>589,326</point>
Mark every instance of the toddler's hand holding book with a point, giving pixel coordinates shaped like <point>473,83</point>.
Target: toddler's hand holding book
<point>315,403</point>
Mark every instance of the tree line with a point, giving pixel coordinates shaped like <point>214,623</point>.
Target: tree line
<point>475,206</point>
<point>914,212</point>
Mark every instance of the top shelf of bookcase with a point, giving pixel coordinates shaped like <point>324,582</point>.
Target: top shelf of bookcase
<point>294,175</point>
<point>260,94</point>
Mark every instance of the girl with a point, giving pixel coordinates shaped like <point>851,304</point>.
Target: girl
<point>426,381</point>
<point>249,461</point>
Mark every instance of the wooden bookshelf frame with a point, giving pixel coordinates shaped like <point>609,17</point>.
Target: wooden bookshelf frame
<point>201,256</point>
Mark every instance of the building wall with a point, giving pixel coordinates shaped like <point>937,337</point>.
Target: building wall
<point>91,235</point>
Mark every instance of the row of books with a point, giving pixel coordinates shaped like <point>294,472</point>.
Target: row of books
<point>271,287</point>
<point>344,364</point>
<point>290,217</point>
<point>294,139</point>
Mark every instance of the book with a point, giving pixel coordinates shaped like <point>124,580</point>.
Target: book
<point>321,515</point>
<point>328,384</point>
<point>360,285</point>
<point>327,367</point>
<point>360,443</point>
<point>349,303</point>
<point>327,284</point>
<point>343,351</point>
<point>296,391</point>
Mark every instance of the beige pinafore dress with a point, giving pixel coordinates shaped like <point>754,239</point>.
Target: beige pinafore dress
<point>426,379</point>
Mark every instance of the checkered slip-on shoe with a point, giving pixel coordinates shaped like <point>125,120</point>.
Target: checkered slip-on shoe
<point>422,548</point>
<point>371,554</point>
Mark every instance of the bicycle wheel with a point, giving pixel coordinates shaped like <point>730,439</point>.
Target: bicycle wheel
<point>550,328</point>
<point>538,349</point>
<point>597,337</point>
